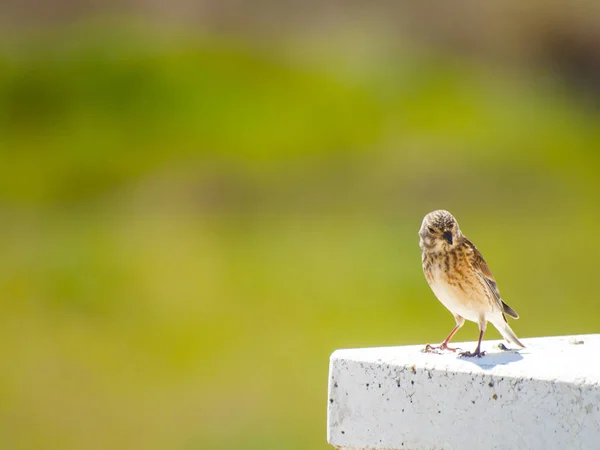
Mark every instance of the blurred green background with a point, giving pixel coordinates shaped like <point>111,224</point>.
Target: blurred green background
<point>200,202</point>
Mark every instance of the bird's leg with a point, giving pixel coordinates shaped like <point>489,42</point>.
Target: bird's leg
<point>477,351</point>
<point>444,345</point>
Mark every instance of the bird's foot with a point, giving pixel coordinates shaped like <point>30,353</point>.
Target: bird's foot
<point>431,349</point>
<point>477,353</point>
<point>436,349</point>
<point>450,349</point>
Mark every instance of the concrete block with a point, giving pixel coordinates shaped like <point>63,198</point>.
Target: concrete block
<point>546,396</point>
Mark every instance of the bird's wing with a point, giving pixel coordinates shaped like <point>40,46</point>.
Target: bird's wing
<point>484,272</point>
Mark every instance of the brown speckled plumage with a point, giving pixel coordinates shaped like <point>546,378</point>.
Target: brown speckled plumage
<point>461,279</point>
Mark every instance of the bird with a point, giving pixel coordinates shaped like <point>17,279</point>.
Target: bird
<point>462,281</point>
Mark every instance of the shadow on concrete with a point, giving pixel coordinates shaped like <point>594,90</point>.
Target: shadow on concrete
<point>491,360</point>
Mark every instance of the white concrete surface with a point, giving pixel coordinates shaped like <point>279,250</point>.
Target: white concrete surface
<point>546,396</point>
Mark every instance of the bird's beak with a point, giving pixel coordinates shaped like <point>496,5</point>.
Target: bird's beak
<point>448,236</point>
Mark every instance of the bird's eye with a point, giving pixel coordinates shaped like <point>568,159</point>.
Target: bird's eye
<point>431,230</point>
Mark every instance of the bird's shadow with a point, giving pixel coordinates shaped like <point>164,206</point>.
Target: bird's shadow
<point>491,360</point>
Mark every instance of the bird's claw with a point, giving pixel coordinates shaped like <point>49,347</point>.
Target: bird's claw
<point>477,354</point>
<point>433,349</point>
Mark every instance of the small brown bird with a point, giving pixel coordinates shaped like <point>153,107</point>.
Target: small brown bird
<point>461,280</point>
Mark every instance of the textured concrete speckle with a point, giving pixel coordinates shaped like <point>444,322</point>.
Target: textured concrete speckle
<point>546,396</point>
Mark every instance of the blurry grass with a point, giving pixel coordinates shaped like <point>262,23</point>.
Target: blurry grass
<point>189,230</point>
<point>80,114</point>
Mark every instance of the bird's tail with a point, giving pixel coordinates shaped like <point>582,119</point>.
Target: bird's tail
<point>506,332</point>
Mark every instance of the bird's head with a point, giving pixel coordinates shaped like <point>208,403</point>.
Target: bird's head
<point>439,231</point>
